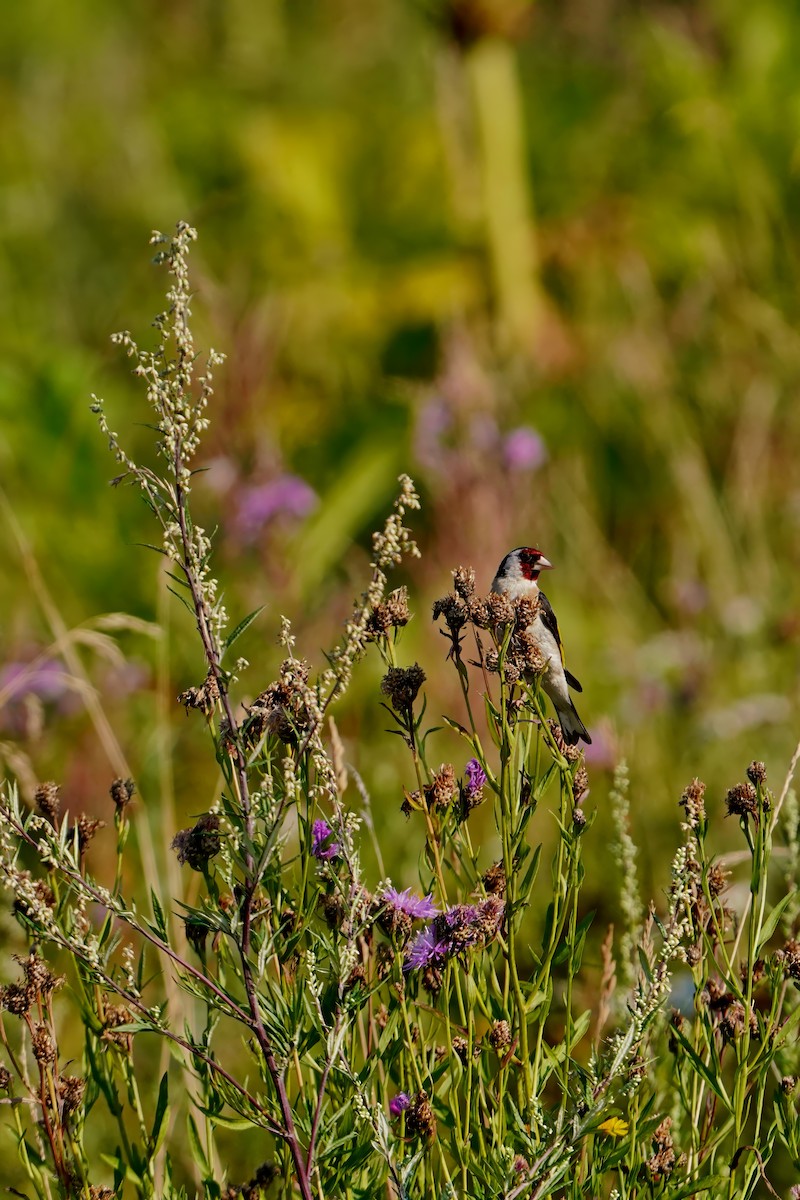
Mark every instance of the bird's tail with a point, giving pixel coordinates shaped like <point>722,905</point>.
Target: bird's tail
<point>572,726</point>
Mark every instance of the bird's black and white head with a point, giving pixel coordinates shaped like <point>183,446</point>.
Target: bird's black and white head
<point>519,570</point>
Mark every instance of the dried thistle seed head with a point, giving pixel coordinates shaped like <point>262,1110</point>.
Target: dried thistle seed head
<point>692,802</point>
<point>661,1164</point>
<point>122,792</point>
<point>101,1193</point>
<point>580,785</point>
<point>526,610</point>
<point>5,1079</point>
<point>455,613</point>
<point>116,1016</point>
<point>203,698</point>
<point>788,1084</point>
<point>757,773</point>
<point>464,582</point>
<point>196,846</point>
<point>717,878</point>
<point>38,976</point>
<point>500,1036</point>
<point>401,685</point>
<point>432,980</point>
<point>440,792</point>
<point>384,960</point>
<point>570,753</point>
<point>741,801</point>
<point>420,1121</point>
<point>494,879</point>
<point>70,1092</point>
<point>734,1021</point>
<point>42,1045</point>
<point>392,613</point>
<point>87,829</point>
<point>47,800</point>
<point>490,917</point>
<point>578,820</point>
<point>500,611</point>
<point>16,999</point>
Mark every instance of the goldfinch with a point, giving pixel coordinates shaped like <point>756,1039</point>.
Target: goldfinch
<point>517,576</point>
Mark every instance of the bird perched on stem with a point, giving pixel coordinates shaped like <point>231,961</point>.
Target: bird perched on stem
<point>518,576</point>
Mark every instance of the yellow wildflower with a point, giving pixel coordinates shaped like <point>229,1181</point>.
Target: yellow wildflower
<point>614,1127</point>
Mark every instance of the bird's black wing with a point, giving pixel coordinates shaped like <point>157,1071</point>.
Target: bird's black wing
<point>551,624</point>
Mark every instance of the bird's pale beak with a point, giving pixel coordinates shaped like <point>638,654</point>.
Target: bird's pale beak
<point>543,564</point>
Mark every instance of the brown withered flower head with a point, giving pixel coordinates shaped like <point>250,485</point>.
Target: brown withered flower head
<point>441,791</point>
<point>203,698</point>
<point>494,879</point>
<point>570,753</point>
<point>420,1121</point>
<point>741,801</point>
<point>500,1036</point>
<point>282,708</point>
<point>70,1092</point>
<point>401,685</point>
<point>196,846</point>
<point>47,801</point>
<point>5,1079</point>
<point>87,828</point>
<point>122,792</point>
<point>662,1162</point>
<point>116,1016</point>
<point>42,1045</point>
<point>757,773</point>
<point>392,613</point>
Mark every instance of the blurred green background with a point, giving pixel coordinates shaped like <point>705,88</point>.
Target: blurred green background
<point>542,257</point>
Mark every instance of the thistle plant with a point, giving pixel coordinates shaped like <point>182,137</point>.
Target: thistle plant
<point>358,1037</point>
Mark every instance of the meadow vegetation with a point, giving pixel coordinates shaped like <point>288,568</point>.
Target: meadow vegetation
<point>542,258</point>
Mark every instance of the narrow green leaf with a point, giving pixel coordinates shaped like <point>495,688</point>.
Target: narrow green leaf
<point>771,923</point>
<point>198,1153</point>
<point>715,1083</point>
<point>244,624</point>
<point>161,1120</point>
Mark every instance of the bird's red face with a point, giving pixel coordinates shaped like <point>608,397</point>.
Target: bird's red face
<point>531,562</point>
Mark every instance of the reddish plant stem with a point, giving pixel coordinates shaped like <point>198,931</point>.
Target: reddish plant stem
<point>213,658</point>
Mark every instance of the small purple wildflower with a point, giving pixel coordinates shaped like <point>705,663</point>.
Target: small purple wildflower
<point>399,1103</point>
<point>257,506</point>
<point>418,908</point>
<point>524,450</point>
<point>476,777</point>
<point>321,846</point>
<point>460,928</point>
<point>428,949</point>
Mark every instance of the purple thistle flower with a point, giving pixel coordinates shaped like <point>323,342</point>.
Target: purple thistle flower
<point>321,846</point>
<point>418,908</point>
<point>428,949</point>
<point>476,777</point>
<point>399,1103</point>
